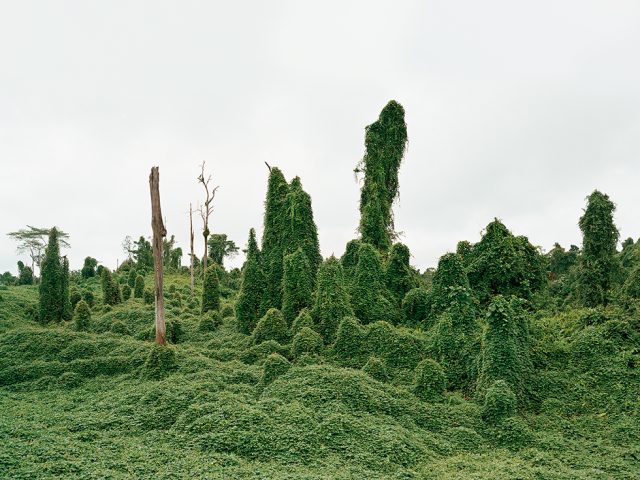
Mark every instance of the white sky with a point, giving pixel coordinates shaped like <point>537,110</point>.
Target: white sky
<point>516,110</point>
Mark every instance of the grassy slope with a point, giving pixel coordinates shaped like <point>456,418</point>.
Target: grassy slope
<point>76,405</point>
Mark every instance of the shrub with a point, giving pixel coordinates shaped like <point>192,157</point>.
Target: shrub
<point>429,381</point>
<point>126,292</point>
<point>349,339</point>
<point>138,290</point>
<point>69,380</point>
<point>226,311</point>
<point>499,402</point>
<point>89,297</point>
<point>415,306</point>
<point>377,369</point>
<point>160,361</point>
<point>82,315</point>
<point>302,320</point>
<point>332,302</point>
<point>119,328</point>
<point>271,327</point>
<point>75,296</point>
<point>257,353</point>
<point>209,321</point>
<point>274,366</point>
<point>306,341</point>
<point>211,289</point>
<point>149,297</point>
<point>512,433</point>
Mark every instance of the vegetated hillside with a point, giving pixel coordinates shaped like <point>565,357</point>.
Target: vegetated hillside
<point>80,404</point>
<point>503,362</point>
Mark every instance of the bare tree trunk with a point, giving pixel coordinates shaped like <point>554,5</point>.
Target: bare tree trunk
<point>206,254</point>
<point>159,232</point>
<point>191,242</point>
<point>205,212</point>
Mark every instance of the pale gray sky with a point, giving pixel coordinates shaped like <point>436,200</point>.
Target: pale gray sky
<point>516,110</point>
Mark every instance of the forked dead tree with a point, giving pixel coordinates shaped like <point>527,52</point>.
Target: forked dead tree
<point>159,232</point>
<point>205,211</point>
<point>191,245</point>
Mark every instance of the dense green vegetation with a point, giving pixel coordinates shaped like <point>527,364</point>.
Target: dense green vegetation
<point>504,362</point>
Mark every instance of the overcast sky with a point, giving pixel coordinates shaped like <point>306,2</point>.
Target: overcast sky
<point>515,110</point>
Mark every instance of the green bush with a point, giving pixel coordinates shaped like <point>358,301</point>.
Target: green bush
<point>75,296</point>
<point>274,366</point>
<point>119,328</point>
<point>302,320</point>
<point>306,341</point>
<point>499,402</point>
<point>376,368</point>
<point>149,297</point>
<point>257,353</point>
<point>429,381</point>
<point>82,315</point>
<point>160,362</point>
<point>226,311</point>
<point>209,321</point>
<point>69,380</point>
<point>512,433</point>
<point>349,339</point>
<point>271,327</point>
<point>138,289</point>
<point>89,297</point>
<point>126,292</point>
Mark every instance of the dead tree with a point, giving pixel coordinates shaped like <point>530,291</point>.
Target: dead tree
<point>159,232</point>
<point>191,244</point>
<point>205,211</point>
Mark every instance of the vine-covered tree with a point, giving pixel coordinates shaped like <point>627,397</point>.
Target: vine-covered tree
<point>89,268</point>
<point>138,288</point>
<point>449,275</point>
<point>367,292</point>
<point>67,309</point>
<point>51,297</point>
<point>33,240</point>
<point>399,276</point>
<point>503,264</point>
<point>25,274</point>
<point>349,260</point>
<point>297,286</point>
<point>561,260</point>
<point>385,143</point>
<point>302,231</point>
<point>110,288</point>
<point>332,301</point>
<point>598,260</point>
<point>273,239</point>
<point>206,209</point>
<point>211,289</point>
<point>251,288</point>
<point>143,254</point>
<point>220,247</point>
